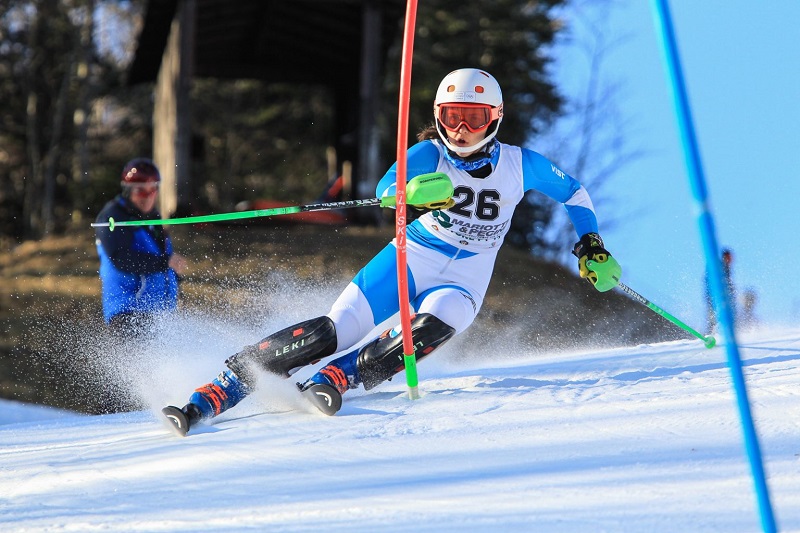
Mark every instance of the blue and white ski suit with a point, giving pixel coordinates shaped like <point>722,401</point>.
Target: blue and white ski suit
<point>450,257</point>
<point>451,253</point>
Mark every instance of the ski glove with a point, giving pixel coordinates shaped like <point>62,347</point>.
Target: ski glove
<point>424,192</point>
<point>437,188</point>
<point>596,264</point>
<point>432,206</point>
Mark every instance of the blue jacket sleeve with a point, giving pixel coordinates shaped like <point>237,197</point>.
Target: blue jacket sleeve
<point>423,158</point>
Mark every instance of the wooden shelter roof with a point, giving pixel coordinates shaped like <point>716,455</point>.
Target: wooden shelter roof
<point>295,41</point>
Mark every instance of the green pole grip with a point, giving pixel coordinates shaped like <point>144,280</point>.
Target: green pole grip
<point>424,189</point>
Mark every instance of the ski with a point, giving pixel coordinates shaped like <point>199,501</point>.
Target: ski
<point>324,397</point>
<point>176,420</point>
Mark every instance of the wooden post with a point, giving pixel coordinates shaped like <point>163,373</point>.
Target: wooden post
<point>171,113</point>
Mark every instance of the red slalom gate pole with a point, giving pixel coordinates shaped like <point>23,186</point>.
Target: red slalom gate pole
<point>409,356</point>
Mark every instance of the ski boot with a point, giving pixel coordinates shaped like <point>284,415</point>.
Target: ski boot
<point>325,388</point>
<point>208,401</point>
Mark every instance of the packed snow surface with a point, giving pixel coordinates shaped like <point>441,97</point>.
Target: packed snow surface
<point>644,438</point>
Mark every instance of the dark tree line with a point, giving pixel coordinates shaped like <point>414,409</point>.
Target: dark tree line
<point>64,113</point>
<point>68,122</point>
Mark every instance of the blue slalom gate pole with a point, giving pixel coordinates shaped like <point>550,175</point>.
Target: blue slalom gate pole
<point>720,295</point>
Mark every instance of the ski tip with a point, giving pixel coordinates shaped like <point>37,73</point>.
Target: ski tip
<point>176,420</point>
<point>325,397</point>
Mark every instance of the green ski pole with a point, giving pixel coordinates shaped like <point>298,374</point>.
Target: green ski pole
<point>111,224</point>
<point>428,188</point>
<point>708,340</point>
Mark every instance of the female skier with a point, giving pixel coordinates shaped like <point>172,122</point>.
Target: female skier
<point>451,251</point>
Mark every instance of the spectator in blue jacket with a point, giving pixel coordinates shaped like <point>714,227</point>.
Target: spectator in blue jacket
<point>726,262</point>
<point>138,269</point>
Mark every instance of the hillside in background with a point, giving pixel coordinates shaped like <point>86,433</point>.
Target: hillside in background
<point>246,281</point>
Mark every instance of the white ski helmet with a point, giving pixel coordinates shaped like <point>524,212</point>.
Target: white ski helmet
<point>468,89</point>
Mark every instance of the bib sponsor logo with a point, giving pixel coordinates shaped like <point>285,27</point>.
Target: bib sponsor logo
<point>478,231</point>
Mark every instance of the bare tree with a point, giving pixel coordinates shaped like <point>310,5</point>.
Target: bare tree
<point>593,139</point>
<point>51,73</point>
<point>85,90</point>
<point>50,66</point>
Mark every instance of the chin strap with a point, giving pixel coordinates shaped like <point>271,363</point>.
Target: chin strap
<point>475,164</point>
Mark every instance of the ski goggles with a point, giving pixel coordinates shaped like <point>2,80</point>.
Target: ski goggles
<point>144,189</point>
<point>476,117</point>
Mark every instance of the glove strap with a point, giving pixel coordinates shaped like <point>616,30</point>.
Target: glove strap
<point>588,241</point>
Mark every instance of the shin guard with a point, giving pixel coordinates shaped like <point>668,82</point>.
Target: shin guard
<point>383,358</point>
<point>285,351</point>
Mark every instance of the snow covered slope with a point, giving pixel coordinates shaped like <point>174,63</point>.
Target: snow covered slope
<point>645,438</point>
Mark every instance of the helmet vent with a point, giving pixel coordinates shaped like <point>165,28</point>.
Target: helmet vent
<point>479,89</point>
<point>451,88</point>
